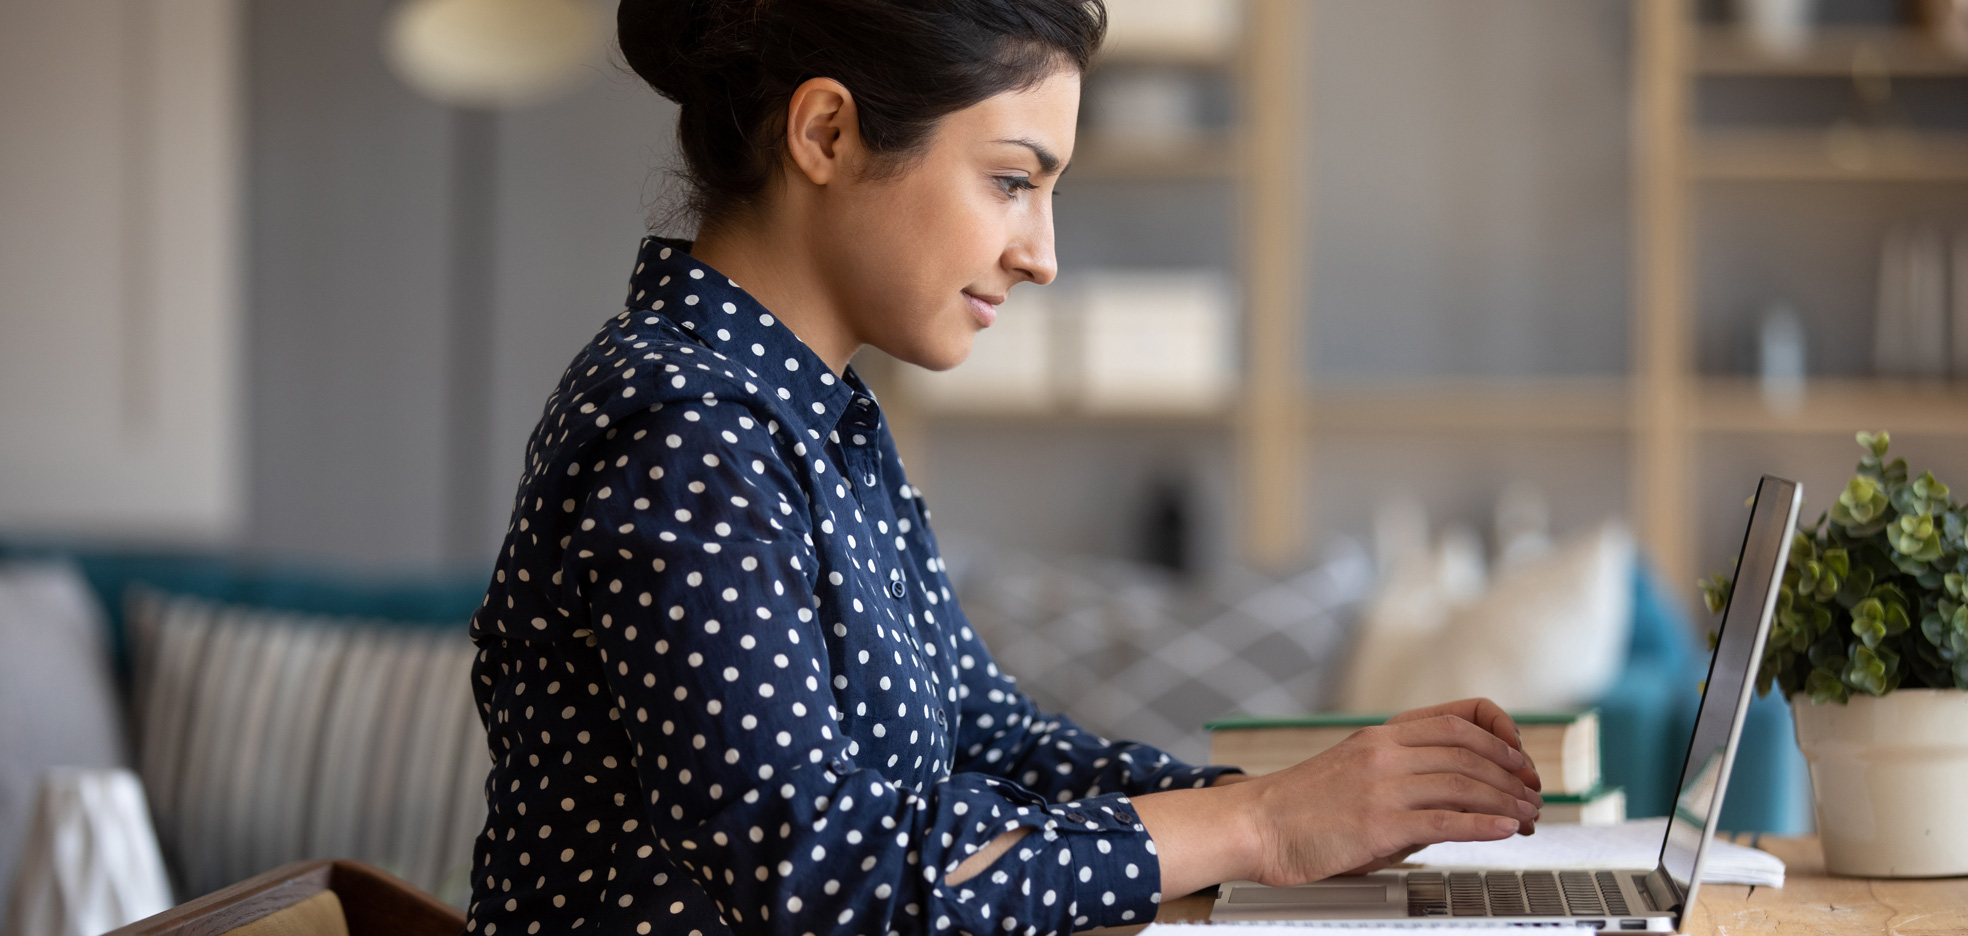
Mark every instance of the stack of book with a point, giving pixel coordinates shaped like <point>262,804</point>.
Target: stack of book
<point>1564,745</point>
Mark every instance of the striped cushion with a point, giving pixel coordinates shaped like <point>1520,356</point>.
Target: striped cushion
<point>267,737</point>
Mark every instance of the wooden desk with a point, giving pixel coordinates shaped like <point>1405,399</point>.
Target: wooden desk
<point>1810,902</point>
<point>1814,902</point>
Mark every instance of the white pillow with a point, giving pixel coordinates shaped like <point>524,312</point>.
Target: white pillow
<point>58,701</point>
<point>1550,632</point>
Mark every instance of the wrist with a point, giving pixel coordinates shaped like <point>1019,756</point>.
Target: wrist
<point>1245,824</point>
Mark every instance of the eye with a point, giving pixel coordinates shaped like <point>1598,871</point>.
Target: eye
<point>1013,184</point>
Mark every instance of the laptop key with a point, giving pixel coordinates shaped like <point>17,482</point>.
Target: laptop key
<point>1466,894</point>
<point>1506,893</point>
<point>1541,894</point>
<point>1428,894</point>
<point>1581,893</point>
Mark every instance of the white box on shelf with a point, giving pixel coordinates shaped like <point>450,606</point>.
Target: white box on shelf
<point>1011,366</point>
<point>1145,107</point>
<point>1180,29</point>
<point>1160,342</point>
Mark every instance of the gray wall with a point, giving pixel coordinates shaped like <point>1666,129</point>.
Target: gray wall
<point>380,384</point>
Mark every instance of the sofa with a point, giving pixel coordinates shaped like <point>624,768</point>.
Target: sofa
<point>1646,717</point>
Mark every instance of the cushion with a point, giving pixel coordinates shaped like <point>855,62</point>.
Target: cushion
<point>59,705</point>
<point>1130,653</point>
<point>267,737</point>
<point>319,915</point>
<point>1549,633</point>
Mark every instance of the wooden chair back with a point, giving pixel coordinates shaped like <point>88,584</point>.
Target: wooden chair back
<point>374,902</point>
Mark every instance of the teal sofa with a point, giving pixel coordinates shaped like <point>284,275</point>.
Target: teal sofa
<point>1646,719</point>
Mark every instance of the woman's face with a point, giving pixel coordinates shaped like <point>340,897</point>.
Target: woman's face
<point>921,259</point>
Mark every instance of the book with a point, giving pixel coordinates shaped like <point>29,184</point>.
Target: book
<point>1563,745</point>
<point>1602,806</point>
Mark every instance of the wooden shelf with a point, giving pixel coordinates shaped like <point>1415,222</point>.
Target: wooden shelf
<point>1833,155</point>
<point>1832,406</point>
<point>1208,157</point>
<point>1504,405</point>
<point>1833,52</point>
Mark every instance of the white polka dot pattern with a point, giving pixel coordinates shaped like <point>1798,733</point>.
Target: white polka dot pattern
<point>725,682</point>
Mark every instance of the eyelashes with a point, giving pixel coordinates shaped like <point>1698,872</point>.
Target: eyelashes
<point>1013,184</point>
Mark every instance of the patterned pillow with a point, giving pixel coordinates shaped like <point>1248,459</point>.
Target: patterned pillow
<point>266,737</point>
<point>1129,653</point>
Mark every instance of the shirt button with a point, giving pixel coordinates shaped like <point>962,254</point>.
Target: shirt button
<point>1124,816</point>
<point>896,589</point>
<point>1076,817</point>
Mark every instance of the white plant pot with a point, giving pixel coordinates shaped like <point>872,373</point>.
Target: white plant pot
<point>1889,774</point>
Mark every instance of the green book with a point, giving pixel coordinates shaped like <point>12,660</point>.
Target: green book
<point>1563,745</point>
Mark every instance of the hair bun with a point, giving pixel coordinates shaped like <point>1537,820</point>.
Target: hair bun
<point>662,40</point>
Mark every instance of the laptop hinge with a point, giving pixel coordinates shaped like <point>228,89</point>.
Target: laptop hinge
<point>1661,891</point>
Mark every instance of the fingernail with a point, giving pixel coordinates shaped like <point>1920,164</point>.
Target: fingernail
<point>1525,808</point>
<point>1521,759</point>
<point>1506,825</point>
<point>1537,798</point>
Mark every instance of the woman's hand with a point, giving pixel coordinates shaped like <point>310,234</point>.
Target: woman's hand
<point>1453,772</point>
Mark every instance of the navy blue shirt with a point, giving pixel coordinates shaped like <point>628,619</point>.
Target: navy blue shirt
<point>725,682</point>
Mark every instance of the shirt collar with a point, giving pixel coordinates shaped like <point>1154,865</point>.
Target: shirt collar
<point>718,313</point>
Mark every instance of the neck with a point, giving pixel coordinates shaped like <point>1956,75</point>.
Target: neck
<point>772,262</point>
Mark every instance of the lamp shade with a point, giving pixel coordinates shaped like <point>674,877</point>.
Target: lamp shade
<point>491,53</point>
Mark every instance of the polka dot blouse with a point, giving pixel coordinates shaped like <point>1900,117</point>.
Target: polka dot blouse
<point>726,685</point>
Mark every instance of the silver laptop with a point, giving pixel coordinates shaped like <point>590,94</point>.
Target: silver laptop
<point>1613,898</point>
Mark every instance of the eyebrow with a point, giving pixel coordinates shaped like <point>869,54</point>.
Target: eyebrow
<point>1048,163</point>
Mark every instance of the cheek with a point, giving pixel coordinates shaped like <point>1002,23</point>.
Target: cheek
<point>904,259</point>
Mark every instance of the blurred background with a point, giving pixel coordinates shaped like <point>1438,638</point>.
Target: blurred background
<point>1376,317</point>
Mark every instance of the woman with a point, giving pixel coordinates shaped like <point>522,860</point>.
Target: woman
<point>726,684</point>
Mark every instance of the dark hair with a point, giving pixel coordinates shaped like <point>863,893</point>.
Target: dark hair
<point>733,65</point>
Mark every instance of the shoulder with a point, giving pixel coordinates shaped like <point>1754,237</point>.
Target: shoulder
<point>643,376</point>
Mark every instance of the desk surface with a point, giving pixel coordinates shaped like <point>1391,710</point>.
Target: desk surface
<point>1810,902</point>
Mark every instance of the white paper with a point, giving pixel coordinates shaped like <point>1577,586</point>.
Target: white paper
<point>1633,844</point>
<point>1477,927</point>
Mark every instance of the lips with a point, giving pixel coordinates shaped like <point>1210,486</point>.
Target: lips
<point>983,310</point>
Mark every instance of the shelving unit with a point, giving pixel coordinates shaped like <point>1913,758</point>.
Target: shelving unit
<point>1672,405</point>
<point>1661,408</point>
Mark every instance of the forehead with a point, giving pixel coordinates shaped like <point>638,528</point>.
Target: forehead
<point>1044,113</point>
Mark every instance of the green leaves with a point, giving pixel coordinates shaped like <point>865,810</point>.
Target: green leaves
<point>1862,506</point>
<point>1715,592</point>
<point>1914,536</point>
<point>1873,671</point>
<point>1875,443</point>
<point>1875,594</point>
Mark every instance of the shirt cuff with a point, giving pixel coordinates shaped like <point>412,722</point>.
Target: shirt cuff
<point>1116,871</point>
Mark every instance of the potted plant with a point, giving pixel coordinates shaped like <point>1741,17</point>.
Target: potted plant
<point>1870,645</point>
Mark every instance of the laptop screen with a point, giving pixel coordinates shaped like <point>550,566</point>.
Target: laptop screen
<point>1731,675</point>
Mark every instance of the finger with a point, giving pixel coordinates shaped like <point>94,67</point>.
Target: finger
<point>1464,794</point>
<point>1428,826</point>
<point>1491,717</point>
<point>1433,760</point>
<point>1455,731</point>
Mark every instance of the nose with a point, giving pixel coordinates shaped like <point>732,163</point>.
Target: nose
<point>1029,256</point>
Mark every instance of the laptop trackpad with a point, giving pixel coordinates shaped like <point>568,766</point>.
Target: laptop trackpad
<point>1318,895</point>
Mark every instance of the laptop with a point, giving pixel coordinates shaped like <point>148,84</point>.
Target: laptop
<point>1611,899</point>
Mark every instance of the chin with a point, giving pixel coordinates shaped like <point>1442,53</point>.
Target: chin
<point>940,353</point>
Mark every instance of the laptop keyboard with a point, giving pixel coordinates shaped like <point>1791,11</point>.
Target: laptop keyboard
<point>1514,894</point>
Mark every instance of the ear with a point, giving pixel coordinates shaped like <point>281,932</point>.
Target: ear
<point>823,130</point>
